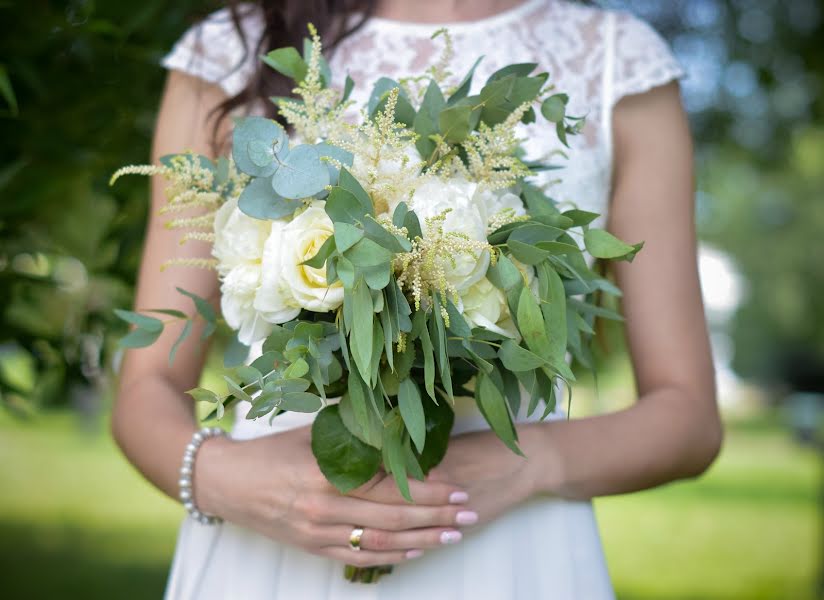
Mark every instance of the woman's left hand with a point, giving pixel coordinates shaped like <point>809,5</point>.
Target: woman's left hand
<point>495,478</point>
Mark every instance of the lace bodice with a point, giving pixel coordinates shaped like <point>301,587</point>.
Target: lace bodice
<point>594,55</point>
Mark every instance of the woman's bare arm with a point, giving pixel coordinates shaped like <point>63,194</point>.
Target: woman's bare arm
<point>153,420</point>
<point>673,431</point>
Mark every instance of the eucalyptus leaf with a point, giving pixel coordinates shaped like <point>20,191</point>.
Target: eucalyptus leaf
<point>259,201</point>
<point>253,134</point>
<point>301,173</point>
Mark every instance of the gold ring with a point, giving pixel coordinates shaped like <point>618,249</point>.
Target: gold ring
<point>354,538</point>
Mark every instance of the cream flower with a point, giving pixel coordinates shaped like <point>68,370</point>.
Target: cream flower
<point>467,215</point>
<point>498,201</point>
<point>238,248</point>
<point>485,306</point>
<point>288,285</point>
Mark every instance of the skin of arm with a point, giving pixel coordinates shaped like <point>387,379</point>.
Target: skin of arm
<point>673,431</point>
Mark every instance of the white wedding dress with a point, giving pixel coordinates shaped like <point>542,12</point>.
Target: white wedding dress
<point>547,548</point>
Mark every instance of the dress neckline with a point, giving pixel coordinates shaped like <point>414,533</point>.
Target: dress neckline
<point>492,21</point>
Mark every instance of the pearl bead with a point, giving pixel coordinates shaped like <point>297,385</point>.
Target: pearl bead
<point>189,506</point>
<point>198,437</point>
<point>186,470</point>
<point>185,495</point>
<point>191,448</point>
<point>185,482</point>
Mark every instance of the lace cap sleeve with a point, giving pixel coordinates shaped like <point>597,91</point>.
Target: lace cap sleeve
<point>641,58</point>
<point>214,51</point>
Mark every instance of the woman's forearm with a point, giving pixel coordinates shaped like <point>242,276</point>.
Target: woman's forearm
<point>152,424</point>
<point>659,439</point>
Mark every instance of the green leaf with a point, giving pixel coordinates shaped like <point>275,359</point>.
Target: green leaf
<point>531,323</point>
<point>463,89</point>
<point>343,206</point>
<point>149,324</point>
<point>259,201</point>
<point>378,234</point>
<point>304,402</point>
<point>455,123</point>
<point>205,310</point>
<point>527,253</point>
<point>252,135</point>
<point>369,431</point>
<point>515,358</point>
<point>393,451</point>
<point>299,368</point>
<point>366,253</point>
<point>301,173</point>
<point>411,407</point>
<point>580,218</point>
<point>496,411</point>
<point>287,61</point>
<point>519,70</point>
<point>236,390</point>
<point>602,244</point>
<point>346,235</point>
<point>343,459</point>
<point>553,307</point>
<point>7,91</point>
<point>139,338</point>
<point>235,354</point>
<point>351,185</point>
<point>554,108</point>
<point>428,357</point>
<point>179,314</point>
<point>439,421</point>
<point>337,153</point>
<point>348,86</point>
<point>457,324</point>
<point>324,252</point>
<point>362,326</point>
<point>413,225</point>
<point>426,121</point>
<point>184,333</point>
<point>504,275</point>
<point>502,96</point>
<point>203,395</point>
<point>382,87</point>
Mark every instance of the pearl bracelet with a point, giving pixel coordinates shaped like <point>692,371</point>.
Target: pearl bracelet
<point>186,495</point>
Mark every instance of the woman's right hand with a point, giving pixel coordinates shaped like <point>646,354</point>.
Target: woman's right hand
<point>273,485</point>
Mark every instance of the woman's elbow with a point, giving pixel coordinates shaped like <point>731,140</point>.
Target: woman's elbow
<point>705,444</point>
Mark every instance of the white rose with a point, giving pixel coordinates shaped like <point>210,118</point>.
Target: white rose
<point>239,238</point>
<point>497,201</point>
<point>467,215</point>
<point>238,291</point>
<point>287,285</point>
<point>485,306</point>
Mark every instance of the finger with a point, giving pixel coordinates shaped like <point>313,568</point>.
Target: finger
<point>367,558</point>
<point>381,540</point>
<point>429,493</point>
<point>344,510</point>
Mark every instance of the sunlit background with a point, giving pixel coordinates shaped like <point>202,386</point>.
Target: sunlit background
<point>79,84</point>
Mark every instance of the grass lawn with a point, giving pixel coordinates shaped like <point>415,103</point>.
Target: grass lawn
<point>77,522</point>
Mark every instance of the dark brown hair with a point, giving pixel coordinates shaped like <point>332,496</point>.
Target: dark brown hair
<point>285,24</point>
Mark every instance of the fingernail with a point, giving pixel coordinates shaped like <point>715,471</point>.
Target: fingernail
<point>466,517</point>
<point>414,554</point>
<point>458,497</point>
<point>451,537</point>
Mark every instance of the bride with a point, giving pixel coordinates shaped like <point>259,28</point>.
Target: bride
<point>486,523</point>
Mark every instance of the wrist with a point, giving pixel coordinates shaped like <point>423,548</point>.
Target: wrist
<point>545,467</point>
<point>210,473</point>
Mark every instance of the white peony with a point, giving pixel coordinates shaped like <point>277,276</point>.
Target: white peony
<point>485,306</point>
<point>239,238</point>
<point>467,215</point>
<point>287,285</point>
<point>497,201</point>
<point>238,248</point>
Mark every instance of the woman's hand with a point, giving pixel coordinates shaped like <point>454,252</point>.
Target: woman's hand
<point>273,485</point>
<point>494,476</point>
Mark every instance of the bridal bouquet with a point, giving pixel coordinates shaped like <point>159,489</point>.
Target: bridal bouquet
<point>394,264</point>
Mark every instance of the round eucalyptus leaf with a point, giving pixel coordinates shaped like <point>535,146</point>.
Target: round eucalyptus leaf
<point>257,159</point>
<point>260,153</point>
<point>301,173</point>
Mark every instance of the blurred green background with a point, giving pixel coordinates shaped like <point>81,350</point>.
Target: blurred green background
<point>79,85</point>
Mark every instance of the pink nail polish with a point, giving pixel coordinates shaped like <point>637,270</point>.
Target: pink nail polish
<point>451,537</point>
<point>466,517</point>
<point>458,497</point>
<point>414,554</point>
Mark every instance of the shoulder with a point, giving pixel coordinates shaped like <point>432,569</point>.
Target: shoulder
<point>640,59</point>
<point>220,49</point>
